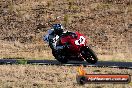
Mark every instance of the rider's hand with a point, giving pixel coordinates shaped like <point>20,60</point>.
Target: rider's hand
<point>74,35</point>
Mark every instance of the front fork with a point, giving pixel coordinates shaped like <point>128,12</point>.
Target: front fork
<point>80,56</point>
<point>82,52</point>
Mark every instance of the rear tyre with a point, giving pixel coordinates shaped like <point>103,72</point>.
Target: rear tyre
<point>59,57</point>
<point>89,55</point>
<point>62,59</point>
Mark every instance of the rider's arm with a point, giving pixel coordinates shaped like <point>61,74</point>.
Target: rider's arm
<point>45,38</point>
<point>73,34</point>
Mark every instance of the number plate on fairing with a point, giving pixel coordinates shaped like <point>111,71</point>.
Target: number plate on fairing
<point>80,41</point>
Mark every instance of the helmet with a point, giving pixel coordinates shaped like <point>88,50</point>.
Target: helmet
<point>58,28</point>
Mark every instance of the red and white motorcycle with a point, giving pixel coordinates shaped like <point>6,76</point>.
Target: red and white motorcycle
<point>74,49</point>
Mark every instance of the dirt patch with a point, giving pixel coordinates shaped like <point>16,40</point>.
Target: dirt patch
<point>106,23</point>
<point>36,76</point>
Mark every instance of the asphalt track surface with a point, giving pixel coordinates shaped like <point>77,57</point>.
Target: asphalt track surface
<point>125,65</point>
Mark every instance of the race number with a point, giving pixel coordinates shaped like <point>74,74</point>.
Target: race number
<point>80,41</point>
<point>55,40</point>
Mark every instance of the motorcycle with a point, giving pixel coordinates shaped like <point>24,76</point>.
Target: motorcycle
<point>74,49</point>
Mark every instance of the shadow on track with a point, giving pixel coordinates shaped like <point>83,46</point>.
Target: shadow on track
<point>127,65</point>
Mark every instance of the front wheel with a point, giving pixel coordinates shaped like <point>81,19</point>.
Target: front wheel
<point>89,55</point>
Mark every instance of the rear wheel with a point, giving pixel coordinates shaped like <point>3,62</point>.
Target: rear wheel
<point>89,55</point>
<point>62,59</point>
<point>59,57</point>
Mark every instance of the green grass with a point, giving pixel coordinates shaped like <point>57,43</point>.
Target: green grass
<point>23,62</point>
<point>130,83</point>
<point>8,57</point>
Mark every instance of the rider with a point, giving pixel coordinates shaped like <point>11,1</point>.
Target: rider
<point>53,35</point>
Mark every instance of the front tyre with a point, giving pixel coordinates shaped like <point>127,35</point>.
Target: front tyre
<point>89,55</point>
